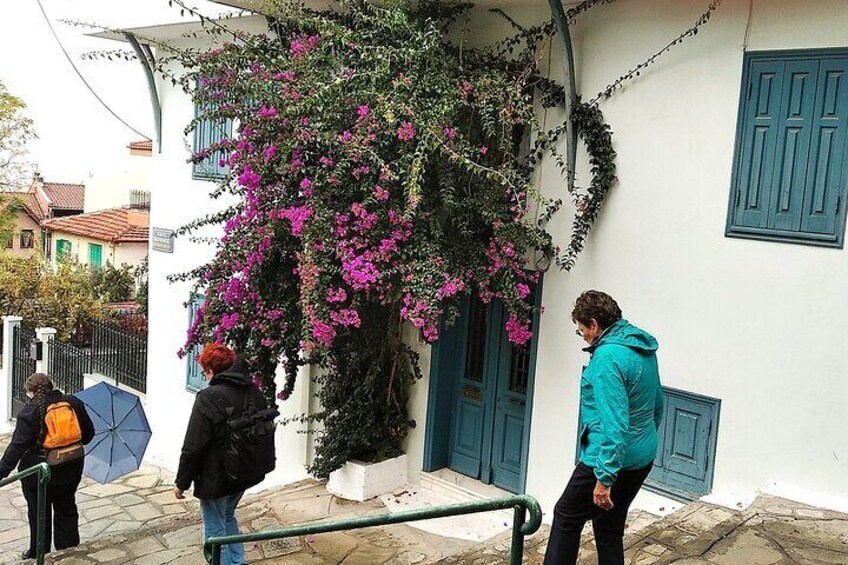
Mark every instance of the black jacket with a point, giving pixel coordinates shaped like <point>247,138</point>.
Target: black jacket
<point>201,461</point>
<point>25,449</point>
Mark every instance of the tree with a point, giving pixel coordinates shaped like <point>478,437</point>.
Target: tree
<point>16,131</point>
<point>9,208</point>
<point>63,299</point>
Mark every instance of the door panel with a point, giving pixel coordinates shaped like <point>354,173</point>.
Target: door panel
<point>469,422</point>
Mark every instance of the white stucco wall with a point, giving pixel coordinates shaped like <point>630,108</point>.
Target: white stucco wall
<point>754,324</point>
<point>730,314</point>
<point>179,200</point>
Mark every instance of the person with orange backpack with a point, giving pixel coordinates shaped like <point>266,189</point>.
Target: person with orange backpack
<point>51,428</point>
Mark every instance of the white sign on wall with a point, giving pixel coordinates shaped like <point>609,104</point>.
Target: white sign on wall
<point>162,240</point>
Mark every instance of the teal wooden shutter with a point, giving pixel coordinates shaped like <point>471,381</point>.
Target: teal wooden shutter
<point>825,194</point>
<point>685,460</point>
<point>757,144</point>
<point>95,255</point>
<point>206,133</point>
<point>195,380</point>
<point>793,144</point>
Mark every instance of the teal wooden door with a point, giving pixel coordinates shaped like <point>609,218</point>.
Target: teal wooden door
<point>490,426</point>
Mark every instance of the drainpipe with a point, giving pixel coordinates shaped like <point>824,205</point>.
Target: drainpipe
<point>570,85</point>
<point>145,56</point>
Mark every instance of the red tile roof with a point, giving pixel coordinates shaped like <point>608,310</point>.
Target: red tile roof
<point>32,204</point>
<point>119,225</point>
<point>65,196</point>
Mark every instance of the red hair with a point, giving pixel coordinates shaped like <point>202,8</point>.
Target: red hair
<point>216,358</point>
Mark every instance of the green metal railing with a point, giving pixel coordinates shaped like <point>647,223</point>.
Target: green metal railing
<point>43,472</point>
<point>520,525</point>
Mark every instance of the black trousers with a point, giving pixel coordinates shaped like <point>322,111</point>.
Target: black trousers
<point>61,514</point>
<point>576,506</point>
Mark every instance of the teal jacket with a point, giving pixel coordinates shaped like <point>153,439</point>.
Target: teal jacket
<point>621,402</point>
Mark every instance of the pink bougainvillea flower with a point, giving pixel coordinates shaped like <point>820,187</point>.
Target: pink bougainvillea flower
<point>381,193</point>
<point>406,131</point>
<point>517,332</point>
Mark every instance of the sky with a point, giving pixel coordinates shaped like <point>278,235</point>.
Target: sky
<point>77,137</point>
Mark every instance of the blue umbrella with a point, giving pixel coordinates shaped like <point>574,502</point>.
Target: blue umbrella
<point>121,432</point>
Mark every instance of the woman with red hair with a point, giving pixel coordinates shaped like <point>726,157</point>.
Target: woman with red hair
<point>229,444</point>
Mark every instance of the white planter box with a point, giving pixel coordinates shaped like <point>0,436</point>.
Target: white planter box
<point>362,481</point>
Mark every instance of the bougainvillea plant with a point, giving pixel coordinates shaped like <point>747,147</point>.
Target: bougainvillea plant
<point>382,173</point>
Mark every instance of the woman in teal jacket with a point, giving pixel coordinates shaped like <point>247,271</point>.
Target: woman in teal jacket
<point>621,408</point>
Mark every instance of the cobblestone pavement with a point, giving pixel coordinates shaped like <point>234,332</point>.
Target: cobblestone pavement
<point>137,520</point>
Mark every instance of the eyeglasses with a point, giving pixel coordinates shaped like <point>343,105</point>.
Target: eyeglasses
<point>578,333</point>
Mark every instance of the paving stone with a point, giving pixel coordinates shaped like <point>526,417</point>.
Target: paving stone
<point>102,512</point>
<point>188,535</point>
<point>121,526</point>
<point>142,481</point>
<point>128,500</point>
<point>107,555</point>
<point>143,512</point>
<point>142,547</point>
<point>106,491</point>
<point>748,548</point>
<point>812,514</point>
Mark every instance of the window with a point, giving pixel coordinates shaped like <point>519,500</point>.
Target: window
<point>8,241</point>
<point>206,133</point>
<point>95,255</point>
<point>685,459</point>
<point>789,173</point>
<point>194,375</point>
<point>63,250</point>
<point>27,239</point>
<point>47,243</point>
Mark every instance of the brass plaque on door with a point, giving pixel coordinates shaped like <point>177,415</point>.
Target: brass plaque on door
<point>472,393</point>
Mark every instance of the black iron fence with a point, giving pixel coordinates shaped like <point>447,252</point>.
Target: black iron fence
<point>120,354</point>
<point>23,365</point>
<point>67,363</point>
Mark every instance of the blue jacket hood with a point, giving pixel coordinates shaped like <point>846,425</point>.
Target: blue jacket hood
<point>624,333</point>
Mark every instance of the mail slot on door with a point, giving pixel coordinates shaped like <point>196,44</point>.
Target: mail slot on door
<point>472,393</point>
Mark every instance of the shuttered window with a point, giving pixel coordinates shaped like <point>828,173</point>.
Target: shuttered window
<point>194,374</point>
<point>208,132</point>
<point>789,175</point>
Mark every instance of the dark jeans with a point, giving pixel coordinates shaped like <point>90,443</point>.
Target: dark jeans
<point>577,506</point>
<point>61,513</point>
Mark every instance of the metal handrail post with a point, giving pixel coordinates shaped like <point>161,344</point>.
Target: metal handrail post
<point>43,472</point>
<point>516,551</point>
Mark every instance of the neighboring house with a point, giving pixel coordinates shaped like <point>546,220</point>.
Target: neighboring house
<point>127,184</point>
<point>723,238</point>
<point>118,237</point>
<point>25,240</point>
<point>42,201</point>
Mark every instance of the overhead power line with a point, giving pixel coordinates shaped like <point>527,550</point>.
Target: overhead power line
<point>82,78</point>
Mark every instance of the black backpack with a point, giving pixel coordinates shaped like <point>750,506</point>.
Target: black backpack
<point>248,439</point>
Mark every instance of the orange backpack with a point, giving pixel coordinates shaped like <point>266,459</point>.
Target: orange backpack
<point>63,428</point>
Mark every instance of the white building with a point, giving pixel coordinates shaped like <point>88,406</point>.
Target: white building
<point>749,306</point>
